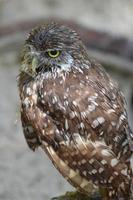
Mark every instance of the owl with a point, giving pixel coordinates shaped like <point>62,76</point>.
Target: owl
<point>74,111</point>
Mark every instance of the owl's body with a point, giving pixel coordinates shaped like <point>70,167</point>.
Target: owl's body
<point>75,112</point>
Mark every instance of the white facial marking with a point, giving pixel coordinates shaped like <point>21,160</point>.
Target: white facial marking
<point>68,65</point>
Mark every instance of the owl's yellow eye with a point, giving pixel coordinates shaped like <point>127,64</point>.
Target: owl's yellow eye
<point>53,53</point>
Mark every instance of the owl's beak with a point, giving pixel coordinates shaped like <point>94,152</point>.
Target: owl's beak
<point>34,64</point>
<point>32,61</point>
<point>29,67</point>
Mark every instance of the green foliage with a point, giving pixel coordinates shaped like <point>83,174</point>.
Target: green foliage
<point>77,196</point>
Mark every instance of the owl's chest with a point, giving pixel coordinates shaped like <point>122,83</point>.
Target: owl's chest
<point>62,92</point>
<point>77,107</point>
<point>68,105</point>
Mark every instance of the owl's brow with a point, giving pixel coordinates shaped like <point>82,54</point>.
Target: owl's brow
<point>31,53</point>
<point>43,51</point>
<point>34,53</point>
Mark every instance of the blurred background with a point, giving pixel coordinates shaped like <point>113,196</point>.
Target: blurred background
<point>106,28</point>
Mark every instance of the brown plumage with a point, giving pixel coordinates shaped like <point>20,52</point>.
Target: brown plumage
<point>73,110</point>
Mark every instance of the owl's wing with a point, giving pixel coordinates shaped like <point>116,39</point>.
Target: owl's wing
<point>38,127</point>
<point>114,105</point>
<point>93,131</point>
<point>88,156</point>
<point>77,133</point>
<point>92,160</point>
<point>84,151</point>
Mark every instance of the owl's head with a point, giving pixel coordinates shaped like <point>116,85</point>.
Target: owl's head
<point>52,48</point>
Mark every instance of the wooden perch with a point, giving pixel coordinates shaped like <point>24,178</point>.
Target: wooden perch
<point>77,196</point>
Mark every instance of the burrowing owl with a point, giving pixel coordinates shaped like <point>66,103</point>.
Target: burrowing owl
<point>72,109</point>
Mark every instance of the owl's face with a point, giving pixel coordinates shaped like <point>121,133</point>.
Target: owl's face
<point>51,48</point>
